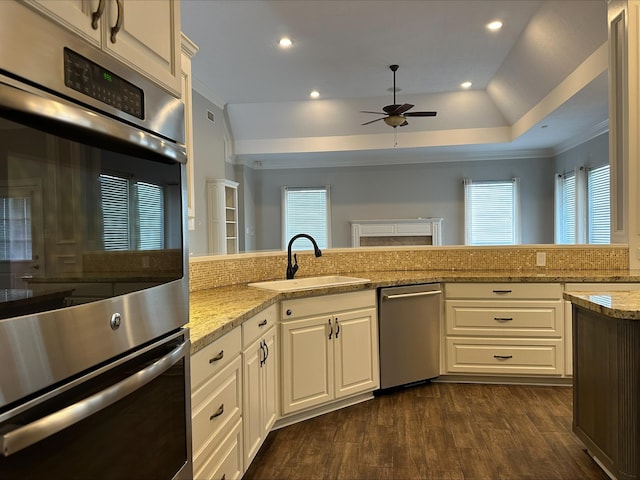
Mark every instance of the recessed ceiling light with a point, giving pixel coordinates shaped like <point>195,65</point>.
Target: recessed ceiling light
<point>285,42</point>
<point>466,84</point>
<point>495,25</point>
<point>314,94</point>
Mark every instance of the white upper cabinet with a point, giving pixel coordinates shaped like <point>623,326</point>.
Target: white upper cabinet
<point>143,34</point>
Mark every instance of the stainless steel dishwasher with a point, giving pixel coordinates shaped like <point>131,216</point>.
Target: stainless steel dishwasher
<point>409,330</point>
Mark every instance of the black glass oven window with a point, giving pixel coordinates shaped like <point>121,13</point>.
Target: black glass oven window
<point>82,219</point>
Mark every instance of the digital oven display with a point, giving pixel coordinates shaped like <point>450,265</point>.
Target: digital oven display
<point>87,77</point>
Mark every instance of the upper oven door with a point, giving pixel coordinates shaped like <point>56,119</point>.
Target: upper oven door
<point>93,258</point>
<point>89,206</point>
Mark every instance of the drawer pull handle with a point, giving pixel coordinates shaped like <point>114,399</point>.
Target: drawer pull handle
<point>502,291</point>
<point>502,357</point>
<point>217,357</point>
<point>330,329</point>
<point>218,413</point>
<point>503,319</point>
<point>224,476</point>
<point>263,323</point>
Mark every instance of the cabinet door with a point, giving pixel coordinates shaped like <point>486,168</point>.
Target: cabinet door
<point>268,388</point>
<point>356,358</point>
<point>253,430</point>
<point>307,357</point>
<point>148,39</point>
<point>75,15</point>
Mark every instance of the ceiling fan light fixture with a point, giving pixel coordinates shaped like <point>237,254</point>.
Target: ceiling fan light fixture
<point>394,120</point>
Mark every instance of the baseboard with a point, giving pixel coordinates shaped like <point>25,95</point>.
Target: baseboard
<point>494,379</point>
<point>315,412</point>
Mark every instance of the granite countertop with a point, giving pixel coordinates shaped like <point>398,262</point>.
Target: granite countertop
<point>216,311</point>
<point>624,304</point>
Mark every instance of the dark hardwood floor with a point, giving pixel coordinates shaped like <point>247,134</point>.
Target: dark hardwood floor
<point>435,431</point>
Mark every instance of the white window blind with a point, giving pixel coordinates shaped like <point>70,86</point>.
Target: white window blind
<point>599,205</point>
<point>115,212</point>
<point>566,208</point>
<point>491,212</point>
<point>132,214</point>
<point>15,228</point>
<point>306,210</point>
<point>149,202</point>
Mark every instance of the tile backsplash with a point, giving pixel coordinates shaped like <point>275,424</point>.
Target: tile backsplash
<point>217,271</point>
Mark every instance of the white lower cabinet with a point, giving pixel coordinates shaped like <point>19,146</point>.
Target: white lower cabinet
<point>504,328</point>
<point>329,349</point>
<point>260,369</point>
<point>216,399</point>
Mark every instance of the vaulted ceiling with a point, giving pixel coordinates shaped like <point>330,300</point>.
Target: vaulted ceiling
<point>539,83</point>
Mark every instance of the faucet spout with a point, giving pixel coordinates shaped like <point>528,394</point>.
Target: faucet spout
<point>293,268</point>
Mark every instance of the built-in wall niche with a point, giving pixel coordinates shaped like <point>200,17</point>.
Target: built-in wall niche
<point>396,232</point>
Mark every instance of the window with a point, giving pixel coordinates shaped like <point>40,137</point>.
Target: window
<point>566,200</point>
<point>306,210</point>
<point>132,214</point>
<point>582,206</point>
<point>15,228</point>
<point>492,212</point>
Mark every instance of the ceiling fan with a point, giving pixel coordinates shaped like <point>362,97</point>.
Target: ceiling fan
<point>395,115</point>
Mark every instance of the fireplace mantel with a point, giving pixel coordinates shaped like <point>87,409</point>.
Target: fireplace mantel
<point>396,232</point>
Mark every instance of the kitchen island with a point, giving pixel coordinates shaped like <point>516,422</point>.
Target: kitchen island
<point>606,378</point>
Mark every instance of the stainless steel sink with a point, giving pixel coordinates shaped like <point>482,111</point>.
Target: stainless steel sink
<point>308,283</point>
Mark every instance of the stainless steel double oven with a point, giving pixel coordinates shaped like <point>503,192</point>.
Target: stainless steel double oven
<point>94,353</point>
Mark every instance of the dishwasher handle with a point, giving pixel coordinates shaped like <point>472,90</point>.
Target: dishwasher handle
<point>407,295</point>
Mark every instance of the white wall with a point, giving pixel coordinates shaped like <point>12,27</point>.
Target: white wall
<point>407,191</point>
<point>209,163</point>
<point>592,153</point>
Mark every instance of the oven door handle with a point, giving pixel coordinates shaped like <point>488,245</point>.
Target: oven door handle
<point>56,111</point>
<point>27,435</point>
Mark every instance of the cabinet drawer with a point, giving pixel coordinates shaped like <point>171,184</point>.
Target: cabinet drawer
<point>504,318</point>
<point>258,325</point>
<point>217,403</point>
<point>222,459</point>
<point>214,357</point>
<point>505,356</point>
<point>504,291</point>
<point>327,304</point>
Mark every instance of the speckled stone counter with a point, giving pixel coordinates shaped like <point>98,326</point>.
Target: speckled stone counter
<point>624,304</point>
<point>216,311</point>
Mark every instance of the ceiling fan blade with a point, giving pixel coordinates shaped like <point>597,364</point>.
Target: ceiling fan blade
<point>420,114</point>
<point>377,113</point>
<point>402,108</point>
<point>390,109</point>
<point>372,121</point>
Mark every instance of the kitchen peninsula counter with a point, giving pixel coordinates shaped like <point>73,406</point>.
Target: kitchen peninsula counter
<point>606,393</point>
<point>216,311</point>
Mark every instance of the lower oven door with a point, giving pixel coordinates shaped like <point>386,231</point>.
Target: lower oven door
<point>129,420</point>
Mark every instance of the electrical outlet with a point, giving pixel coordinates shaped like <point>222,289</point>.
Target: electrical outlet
<point>541,259</point>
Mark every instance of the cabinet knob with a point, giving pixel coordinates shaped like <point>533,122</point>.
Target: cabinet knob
<point>289,312</point>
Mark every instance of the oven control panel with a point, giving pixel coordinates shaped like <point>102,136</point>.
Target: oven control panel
<point>89,78</point>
